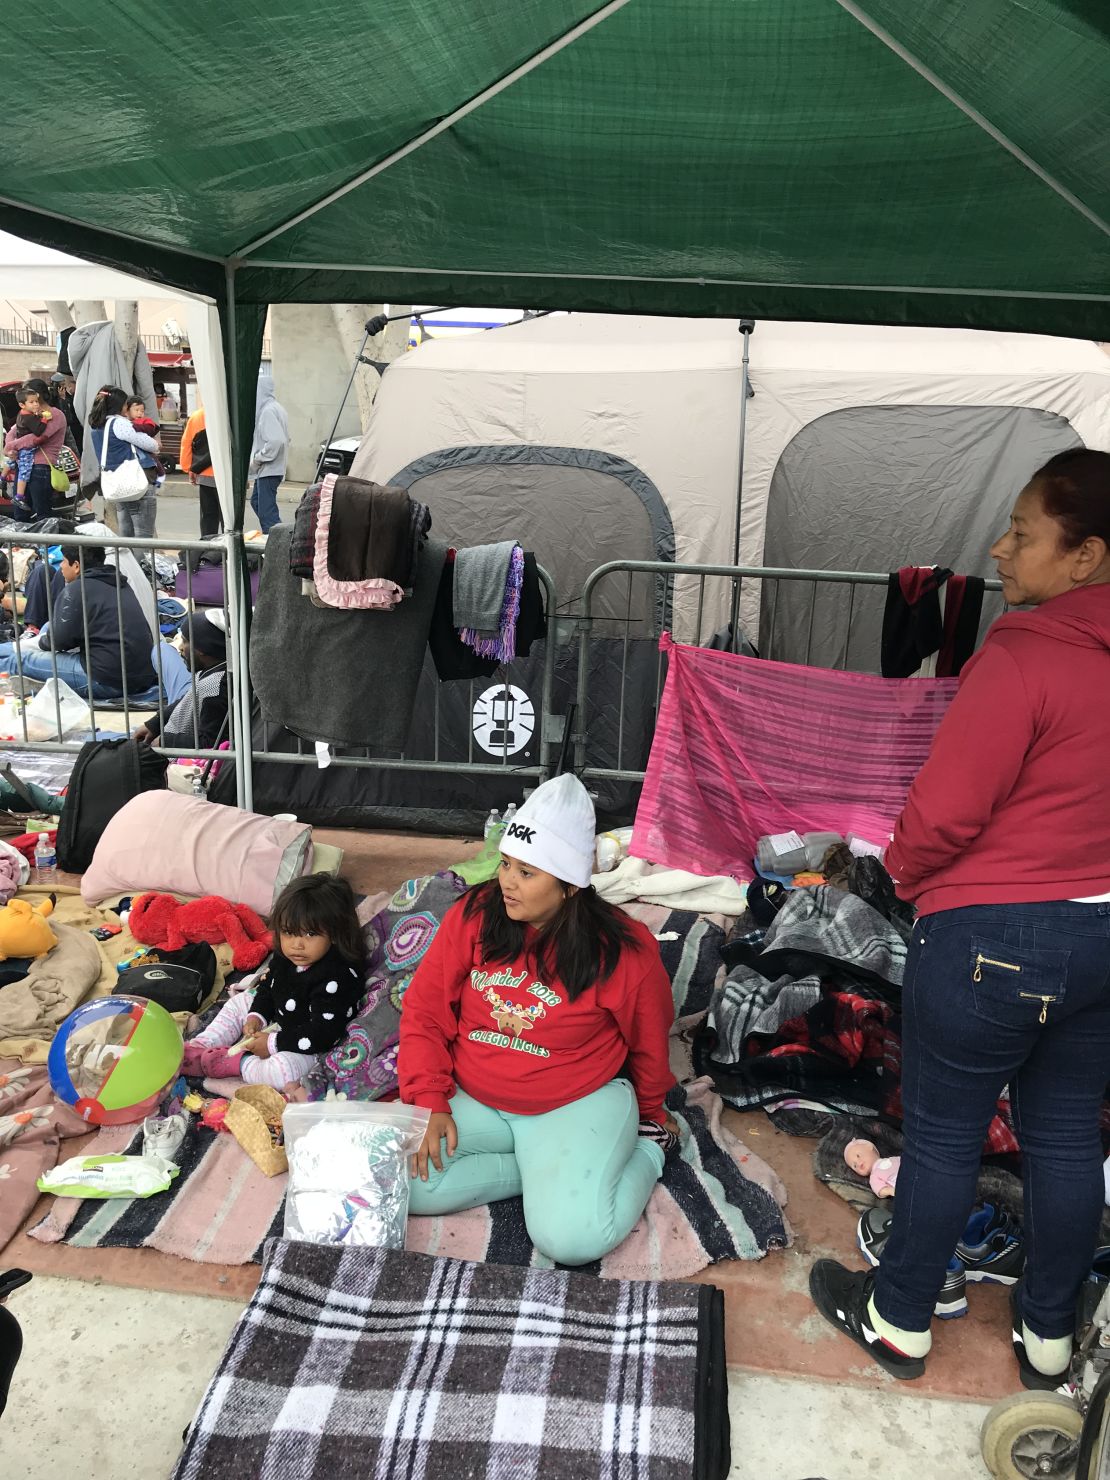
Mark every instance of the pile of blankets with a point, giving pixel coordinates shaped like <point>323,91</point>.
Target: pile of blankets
<point>811,1011</point>
<point>356,545</point>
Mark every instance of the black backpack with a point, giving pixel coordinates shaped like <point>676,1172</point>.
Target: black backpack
<point>200,457</point>
<point>107,774</point>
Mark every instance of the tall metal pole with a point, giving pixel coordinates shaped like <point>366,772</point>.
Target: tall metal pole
<point>747,329</point>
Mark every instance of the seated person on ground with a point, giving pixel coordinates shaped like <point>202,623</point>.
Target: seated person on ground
<point>204,649</point>
<point>303,1006</point>
<point>535,1031</point>
<point>92,591</point>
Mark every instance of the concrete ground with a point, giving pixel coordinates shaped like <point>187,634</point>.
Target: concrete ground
<point>179,509</point>
<point>804,1401</point>
<point>111,1376</point>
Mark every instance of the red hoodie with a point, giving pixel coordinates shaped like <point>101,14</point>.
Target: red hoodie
<point>1013,804</point>
<point>517,1044</point>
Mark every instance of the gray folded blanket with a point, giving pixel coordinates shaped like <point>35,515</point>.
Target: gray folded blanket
<point>481,574</point>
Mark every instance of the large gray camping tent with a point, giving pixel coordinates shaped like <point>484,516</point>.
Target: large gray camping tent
<point>594,437</point>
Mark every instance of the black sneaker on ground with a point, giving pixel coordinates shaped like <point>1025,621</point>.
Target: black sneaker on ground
<point>841,1295</point>
<point>992,1250</point>
<point>1031,1377</point>
<point>872,1233</point>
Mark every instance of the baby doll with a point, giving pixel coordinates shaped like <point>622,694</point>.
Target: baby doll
<point>881,1171</point>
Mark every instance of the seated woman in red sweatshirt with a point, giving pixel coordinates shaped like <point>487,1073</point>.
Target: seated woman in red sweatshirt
<point>1004,846</point>
<point>533,1003</point>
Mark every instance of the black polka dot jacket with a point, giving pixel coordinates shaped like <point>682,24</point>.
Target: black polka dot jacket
<point>311,1008</point>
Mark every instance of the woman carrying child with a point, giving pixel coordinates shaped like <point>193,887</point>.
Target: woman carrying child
<point>114,435</point>
<point>35,441</point>
<point>302,1008</point>
<point>536,1031</point>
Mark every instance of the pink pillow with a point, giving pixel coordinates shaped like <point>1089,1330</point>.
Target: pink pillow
<point>185,845</point>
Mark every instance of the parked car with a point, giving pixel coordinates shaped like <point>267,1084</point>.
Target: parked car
<point>339,456</point>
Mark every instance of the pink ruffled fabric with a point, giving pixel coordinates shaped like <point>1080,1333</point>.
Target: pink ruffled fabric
<point>370,595</point>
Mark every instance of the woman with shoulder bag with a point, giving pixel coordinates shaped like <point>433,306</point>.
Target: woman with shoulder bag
<point>127,463</point>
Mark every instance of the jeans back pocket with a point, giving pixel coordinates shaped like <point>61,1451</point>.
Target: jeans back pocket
<point>1016,986</point>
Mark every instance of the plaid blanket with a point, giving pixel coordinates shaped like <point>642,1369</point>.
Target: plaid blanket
<point>839,936</point>
<point>373,1362</point>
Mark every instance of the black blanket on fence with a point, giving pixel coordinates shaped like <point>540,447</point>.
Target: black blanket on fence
<point>358,1362</point>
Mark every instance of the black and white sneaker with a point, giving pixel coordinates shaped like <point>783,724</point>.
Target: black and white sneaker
<point>872,1233</point>
<point>666,1140</point>
<point>1031,1377</point>
<point>992,1250</point>
<point>842,1296</point>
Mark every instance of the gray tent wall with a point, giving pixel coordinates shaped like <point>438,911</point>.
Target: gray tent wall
<point>926,485</point>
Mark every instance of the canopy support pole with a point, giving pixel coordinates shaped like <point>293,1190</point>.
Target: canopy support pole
<point>236,574</point>
<point>747,329</point>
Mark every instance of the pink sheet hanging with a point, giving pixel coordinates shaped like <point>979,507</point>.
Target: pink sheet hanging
<point>745,747</point>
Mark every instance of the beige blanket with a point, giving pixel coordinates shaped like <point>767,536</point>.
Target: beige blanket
<point>78,968</point>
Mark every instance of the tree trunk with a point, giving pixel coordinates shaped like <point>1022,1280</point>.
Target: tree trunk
<point>60,316</point>
<point>350,325</point>
<point>88,311</point>
<point>127,328</point>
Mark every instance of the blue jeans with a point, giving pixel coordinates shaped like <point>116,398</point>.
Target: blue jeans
<point>264,502</point>
<point>38,494</point>
<point>40,666</point>
<point>996,995</point>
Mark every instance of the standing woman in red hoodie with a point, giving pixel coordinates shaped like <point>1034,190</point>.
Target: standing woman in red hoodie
<point>1004,846</point>
<point>533,1003</point>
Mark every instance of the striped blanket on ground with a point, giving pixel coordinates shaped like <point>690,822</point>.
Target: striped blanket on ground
<point>358,1362</point>
<point>716,1201</point>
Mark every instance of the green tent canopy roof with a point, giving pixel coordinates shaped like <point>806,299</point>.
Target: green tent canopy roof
<point>940,162</point>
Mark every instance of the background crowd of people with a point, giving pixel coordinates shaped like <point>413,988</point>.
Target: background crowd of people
<point>47,470</point>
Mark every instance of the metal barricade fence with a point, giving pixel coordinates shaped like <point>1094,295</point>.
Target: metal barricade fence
<point>430,757</point>
<point>111,713</point>
<point>818,631</point>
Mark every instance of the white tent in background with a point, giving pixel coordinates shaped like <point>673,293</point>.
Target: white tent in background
<point>31,272</point>
<point>599,437</point>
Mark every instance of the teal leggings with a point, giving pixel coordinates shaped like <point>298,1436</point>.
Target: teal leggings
<point>585,1172</point>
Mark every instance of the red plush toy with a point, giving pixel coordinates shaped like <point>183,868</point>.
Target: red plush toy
<point>160,920</point>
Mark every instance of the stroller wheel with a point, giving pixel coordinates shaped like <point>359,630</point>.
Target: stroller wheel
<point>1031,1435</point>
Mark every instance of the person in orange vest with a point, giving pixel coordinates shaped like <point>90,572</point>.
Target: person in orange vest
<point>196,460</point>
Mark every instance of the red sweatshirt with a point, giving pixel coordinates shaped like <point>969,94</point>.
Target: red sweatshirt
<point>517,1044</point>
<point>1013,804</point>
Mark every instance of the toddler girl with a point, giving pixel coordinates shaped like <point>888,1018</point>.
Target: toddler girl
<point>302,1007</point>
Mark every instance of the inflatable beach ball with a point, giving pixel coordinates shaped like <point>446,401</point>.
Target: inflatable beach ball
<point>112,1058</point>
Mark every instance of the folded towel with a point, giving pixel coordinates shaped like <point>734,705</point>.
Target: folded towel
<point>481,575</point>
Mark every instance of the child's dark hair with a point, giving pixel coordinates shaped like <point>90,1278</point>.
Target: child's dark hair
<point>317,904</point>
<point>133,401</point>
<point>25,392</point>
<point>581,946</point>
<point>86,556</point>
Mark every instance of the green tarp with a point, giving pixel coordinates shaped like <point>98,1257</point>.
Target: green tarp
<point>934,162</point>
<point>941,161</point>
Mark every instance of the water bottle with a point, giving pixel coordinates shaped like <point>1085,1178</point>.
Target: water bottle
<point>510,813</point>
<point>493,824</point>
<point>46,860</point>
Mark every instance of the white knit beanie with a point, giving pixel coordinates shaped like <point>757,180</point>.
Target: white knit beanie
<point>554,831</point>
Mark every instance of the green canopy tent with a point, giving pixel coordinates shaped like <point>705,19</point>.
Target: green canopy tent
<point>942,163</point>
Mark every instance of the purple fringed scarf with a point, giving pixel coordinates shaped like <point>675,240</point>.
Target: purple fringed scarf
<point>503,646</point>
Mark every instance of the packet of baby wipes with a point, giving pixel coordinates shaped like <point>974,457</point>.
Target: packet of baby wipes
<point>109,1176</point>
